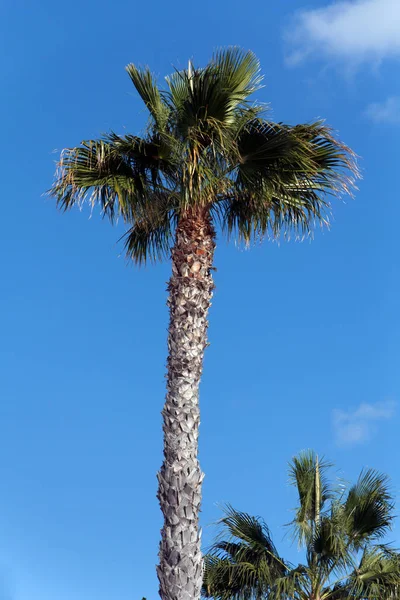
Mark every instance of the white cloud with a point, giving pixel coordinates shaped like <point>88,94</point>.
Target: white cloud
<point>352,31</point>
<point>358,425</point>
<point>385,112</point>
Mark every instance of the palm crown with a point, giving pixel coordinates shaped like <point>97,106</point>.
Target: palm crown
<point>207,148</point>
<point>341,530</point>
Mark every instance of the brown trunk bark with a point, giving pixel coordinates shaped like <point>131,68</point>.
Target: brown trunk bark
<point>190,291</point>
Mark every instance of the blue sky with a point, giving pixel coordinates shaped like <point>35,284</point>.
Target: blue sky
<point>304,337</point>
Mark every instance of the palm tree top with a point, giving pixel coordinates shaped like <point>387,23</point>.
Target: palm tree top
<point>340,527</point>
<point>208,149</point>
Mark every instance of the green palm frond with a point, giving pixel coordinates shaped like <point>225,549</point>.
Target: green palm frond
<point>154,157</point>
<point>151,236</point>
<point>237,525</point>
<point>219,578</point>
<point>253,217</point>
<point>145,85</point>
<point>294,584</point>
<point>308,474</point>
<point>368,509</point>
<point>244,562</point>
<point>224,579</point>
<point>377,577</point>
<point>239,71</point>
<point>238,76</point>
<point>328,548</point>
<point>94,172</point>
<point>115,173</point>
<point>303,155</point>
<point>284,177</point>
<point>210,96</point>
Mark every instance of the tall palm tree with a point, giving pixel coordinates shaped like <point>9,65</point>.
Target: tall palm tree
<point>208,159</point>
<point>340,529</point>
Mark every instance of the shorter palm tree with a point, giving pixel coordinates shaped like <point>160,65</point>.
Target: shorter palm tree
<point>341,529</point>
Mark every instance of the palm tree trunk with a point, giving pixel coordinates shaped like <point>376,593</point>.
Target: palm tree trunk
<point>190,291</point>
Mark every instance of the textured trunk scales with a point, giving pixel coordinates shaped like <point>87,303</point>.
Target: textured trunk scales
<point>190,291</point>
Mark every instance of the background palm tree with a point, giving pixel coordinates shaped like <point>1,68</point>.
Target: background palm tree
<point>209,158</point>
<point>341,530</point>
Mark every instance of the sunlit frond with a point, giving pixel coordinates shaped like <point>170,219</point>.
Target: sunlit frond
<point>96,172</point>
<point>307,473</point>
<point>145,85</point>
<point>118,173</point>
<point>213,95</point>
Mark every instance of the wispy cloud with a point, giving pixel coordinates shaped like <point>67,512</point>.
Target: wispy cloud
<point>352,31</point>
<point>387,111</point>
<point>358,425</point>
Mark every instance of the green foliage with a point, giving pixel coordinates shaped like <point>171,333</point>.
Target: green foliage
<point>207,146</point>
<point>243,561</point>
<point>307,474</point>
<point>340,529</point>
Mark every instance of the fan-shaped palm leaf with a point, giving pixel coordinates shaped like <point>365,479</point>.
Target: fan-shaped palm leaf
<point>368,510</point>
<point>243,562</point>
<point>308,474</point>
<point>343,559</point>
<point>146,86</point>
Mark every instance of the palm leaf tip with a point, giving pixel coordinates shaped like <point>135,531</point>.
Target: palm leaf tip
<point>94,172</point>
<point>147,88</point>
<point>240,70</point>
<point>338,159</point>
<point>69,187</point>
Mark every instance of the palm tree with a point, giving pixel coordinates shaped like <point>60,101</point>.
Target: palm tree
<point>340,529</point>
<point>208,159</point>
